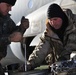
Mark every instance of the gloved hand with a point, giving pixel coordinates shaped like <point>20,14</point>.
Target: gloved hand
<point>29,66</point>
<point>16,37</point>
<point>24,24</point>
<point>22,68</point>
<point>62,58</point>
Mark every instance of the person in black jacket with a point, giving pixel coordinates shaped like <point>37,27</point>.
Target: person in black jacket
<point>9,32</point>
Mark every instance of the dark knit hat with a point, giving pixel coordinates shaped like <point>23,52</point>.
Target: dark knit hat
<point>11,2</point>
<point>54,10</point>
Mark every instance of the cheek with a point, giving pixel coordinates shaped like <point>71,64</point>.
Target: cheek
<point>51,23</point>
<point>3,9</point>
<point>60,23</point>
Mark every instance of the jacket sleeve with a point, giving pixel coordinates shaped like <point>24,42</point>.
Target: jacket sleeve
<point>40,52</point>
<point>8,28</point>
<point>12,26</point>
<point>4,40</point>
<point>70,45</point>
<point>70,36</point>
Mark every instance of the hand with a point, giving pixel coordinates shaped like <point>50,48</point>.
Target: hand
<point>24,23</point>
<point>22,68</point>
<point>62,59</point>
<point>16,37</point>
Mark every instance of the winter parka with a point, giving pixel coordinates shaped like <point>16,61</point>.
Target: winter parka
<point>7,27</point>
<point>50,44</point>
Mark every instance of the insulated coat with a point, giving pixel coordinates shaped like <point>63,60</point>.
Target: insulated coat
<point>7,27</point>
<point>50,43</point>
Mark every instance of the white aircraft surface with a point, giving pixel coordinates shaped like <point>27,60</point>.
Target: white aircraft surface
<point>25,7</point>
<point>37,18</point>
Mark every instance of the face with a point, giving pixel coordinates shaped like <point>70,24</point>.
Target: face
<point>55,22</point>
<point>5,8</point>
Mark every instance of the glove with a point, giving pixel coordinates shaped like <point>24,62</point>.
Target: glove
<point>22,68</point>
<point>62,59</point>
<point>24,24</point>
<point>29,66</point>
<point>16,37</point>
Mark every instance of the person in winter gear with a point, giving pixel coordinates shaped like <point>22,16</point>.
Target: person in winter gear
<point>9,32</point>
<point>58,40</point>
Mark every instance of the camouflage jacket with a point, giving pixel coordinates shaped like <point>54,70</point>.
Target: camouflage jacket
<point>50,42</point>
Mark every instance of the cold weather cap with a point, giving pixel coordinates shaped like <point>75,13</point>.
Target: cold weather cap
<point>54,10</point>
<point>11,2</point>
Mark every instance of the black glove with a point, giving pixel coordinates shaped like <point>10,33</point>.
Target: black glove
<point>62,58</point>
<point>24,24</point>
<point>22,68</point>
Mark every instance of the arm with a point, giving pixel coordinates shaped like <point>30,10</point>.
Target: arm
<point>40,52</point>
<point>21,28</point>
<point>4,40</point>
<point>70,45</point>
<point>7,28</point>
<point>17,31</point>
<point>70,35</point>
